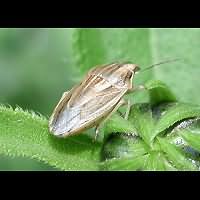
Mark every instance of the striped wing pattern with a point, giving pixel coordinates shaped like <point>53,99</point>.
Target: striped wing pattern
<point>89,101</point>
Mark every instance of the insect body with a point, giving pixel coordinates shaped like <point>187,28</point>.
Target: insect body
<point>92,101</point>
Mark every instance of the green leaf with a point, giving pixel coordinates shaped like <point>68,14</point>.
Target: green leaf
<point>155,162</point>
<point>26,134</point>
<point>124,152</point>
<point>175,113</point>
<point>168,165</point>
<point>125,163</point>
<point>138,149</point>
<point>181,76</point>
<point>158,162</point>
<point>89,49</point>
<point>159,92</point>
<point>120,145</point>
<point>118,124</point>
<point>28,56</point>
<point>192,138</point>
<point>175,156</point>
<point>141,117</point>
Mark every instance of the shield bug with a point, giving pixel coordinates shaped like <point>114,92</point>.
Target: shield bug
<point>91,102</point>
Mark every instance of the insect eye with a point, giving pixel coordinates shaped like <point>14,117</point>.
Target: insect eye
<point>129,74</point>
<point>137,69</point>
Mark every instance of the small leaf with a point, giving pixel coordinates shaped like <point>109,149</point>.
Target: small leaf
<point>158,162</point>
<point>155,161</point>
<point>138,149</point>
<point>168,165</point>
<point>141,117</point>
<point>175,113</point>
<point>118,124</point>
<point>123,152</point>
<point>125,163</point>
<point>176,156</point>
<point>119,145</point>
<point>26,134</point>
<point>159,92</point>
<point>192,138</point>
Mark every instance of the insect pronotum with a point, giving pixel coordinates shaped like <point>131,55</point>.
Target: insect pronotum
<point>91,102</point>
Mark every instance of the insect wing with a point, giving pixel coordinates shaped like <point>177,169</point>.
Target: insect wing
<point>89,102</point>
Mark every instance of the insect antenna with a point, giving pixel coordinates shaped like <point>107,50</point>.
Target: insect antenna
<point>160,63</point>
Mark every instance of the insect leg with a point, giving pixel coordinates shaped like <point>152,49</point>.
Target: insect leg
<point>100,125</point>
<point>127,109</point>
<point>96,131</point>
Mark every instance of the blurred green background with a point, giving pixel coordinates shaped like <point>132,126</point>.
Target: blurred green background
<point>38,65</point>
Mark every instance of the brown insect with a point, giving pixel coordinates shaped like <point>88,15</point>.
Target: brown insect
<point>91,102</point>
